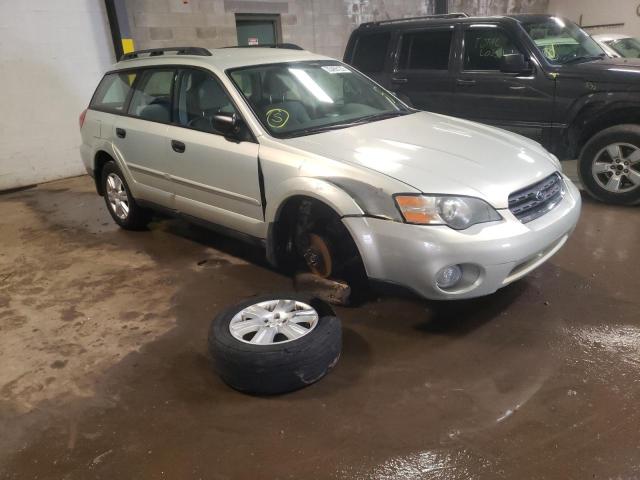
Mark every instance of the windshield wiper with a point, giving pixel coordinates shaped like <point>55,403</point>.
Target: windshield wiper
<point>357,121</point>
<point>586,58</point>
<point>380,116</point>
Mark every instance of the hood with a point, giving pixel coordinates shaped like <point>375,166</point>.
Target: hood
<point>437,154</point>
<point>607,70</point>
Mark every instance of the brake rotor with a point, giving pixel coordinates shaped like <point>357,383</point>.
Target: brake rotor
<point>318,256</point>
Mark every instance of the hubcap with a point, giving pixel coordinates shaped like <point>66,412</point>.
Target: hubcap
<point>616,168</point>
<point>117,196</point>
<point>273,321</point>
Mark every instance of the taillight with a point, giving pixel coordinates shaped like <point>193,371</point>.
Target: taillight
<point>81,119</point>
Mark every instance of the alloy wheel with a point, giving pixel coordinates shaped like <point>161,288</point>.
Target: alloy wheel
<point>273,322</point>
<point>616,168</point>
<point>117,196</point>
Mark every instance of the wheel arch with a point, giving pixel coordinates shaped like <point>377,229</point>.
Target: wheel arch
<point>591,120</point>
<point>100,159</point>
<point>314,188</point>
<point>281,214</point>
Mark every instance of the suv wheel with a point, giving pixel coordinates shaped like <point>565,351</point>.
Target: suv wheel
<point>609,165</point>
<point>120,203</point>
<point>275,344</point>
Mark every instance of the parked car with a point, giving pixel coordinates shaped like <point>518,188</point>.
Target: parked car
<point>537,75</point>
<point>619,45</point>
<point>310,158</point>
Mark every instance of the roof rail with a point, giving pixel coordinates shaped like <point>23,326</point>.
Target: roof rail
<point>154,52</point>
<point>288,46</point>
<point>414,19</point>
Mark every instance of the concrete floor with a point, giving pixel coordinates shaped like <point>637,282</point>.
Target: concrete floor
<point>105,372</point>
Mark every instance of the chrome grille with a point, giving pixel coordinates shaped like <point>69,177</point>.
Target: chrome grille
<point>535,200</point>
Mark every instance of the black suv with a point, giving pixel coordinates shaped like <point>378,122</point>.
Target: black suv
<point>537,75</point>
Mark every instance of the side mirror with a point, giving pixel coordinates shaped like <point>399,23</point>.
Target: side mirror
<point>514,63</point>
<point>227,124</point>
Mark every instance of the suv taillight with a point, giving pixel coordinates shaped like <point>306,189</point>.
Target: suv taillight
<point>81,119</point>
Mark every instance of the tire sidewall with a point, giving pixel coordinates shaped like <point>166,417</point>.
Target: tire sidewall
<point>622,134</point>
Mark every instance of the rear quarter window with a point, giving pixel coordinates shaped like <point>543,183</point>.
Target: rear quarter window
<point>370,52</point>
<point>112,92</point>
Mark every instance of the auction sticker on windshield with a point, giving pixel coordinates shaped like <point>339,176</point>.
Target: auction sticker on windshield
<point>336,69</point>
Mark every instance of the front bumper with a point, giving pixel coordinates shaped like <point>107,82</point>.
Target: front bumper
<point>492,255</point>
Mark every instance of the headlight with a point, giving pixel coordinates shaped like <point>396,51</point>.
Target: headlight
<point>457,212</point>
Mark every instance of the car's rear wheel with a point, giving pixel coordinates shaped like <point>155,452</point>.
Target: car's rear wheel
<point>609,165</point>
<point>121,205</point>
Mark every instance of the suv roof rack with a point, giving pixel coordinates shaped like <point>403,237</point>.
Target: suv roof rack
<point>415,19</point>
<point>154,52</point>
<point>289,46</point>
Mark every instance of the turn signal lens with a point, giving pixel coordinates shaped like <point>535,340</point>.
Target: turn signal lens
<point>418,209</point>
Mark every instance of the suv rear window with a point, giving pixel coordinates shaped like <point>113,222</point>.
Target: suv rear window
<point>112,91</point>
<point>371,50</point>
<point>427,50</point>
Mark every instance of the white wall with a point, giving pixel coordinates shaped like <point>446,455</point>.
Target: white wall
<point>596,12</point>
<point>52,54</point>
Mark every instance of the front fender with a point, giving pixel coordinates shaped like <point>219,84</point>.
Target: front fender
<point>592,112</point>
<point>336,198</point>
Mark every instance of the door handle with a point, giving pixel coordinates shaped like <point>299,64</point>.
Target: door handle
<point>466,83</point>
<point>121,132</point>
<point>399,80</point>
<point>517,87</point>
<point>177,146</point>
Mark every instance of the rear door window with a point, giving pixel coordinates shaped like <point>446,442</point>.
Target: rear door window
<point>152,97</point>
<point>425,50</point>
<point>371,51</point>
<point>112,92</point>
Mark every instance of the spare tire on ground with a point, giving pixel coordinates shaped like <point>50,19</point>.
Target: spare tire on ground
<point>275,343</point>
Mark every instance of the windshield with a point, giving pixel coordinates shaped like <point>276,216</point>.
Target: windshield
<point>626,47</point>
<point>562,42</point>
<point>301,98</point>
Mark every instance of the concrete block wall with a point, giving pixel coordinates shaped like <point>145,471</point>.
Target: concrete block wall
<point>322,26</point>
<point>498,7</point>
<point>52,55</point>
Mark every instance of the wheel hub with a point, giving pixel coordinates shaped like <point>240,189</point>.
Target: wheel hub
<point>318,256</point>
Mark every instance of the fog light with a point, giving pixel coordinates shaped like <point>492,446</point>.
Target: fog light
<point>449,276</point>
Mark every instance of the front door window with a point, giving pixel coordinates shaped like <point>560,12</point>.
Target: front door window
<point>485,47</point>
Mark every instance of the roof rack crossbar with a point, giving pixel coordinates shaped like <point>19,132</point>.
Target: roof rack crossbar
<point>414,19</point>
<point>154,52</point>
<point>289,46</point>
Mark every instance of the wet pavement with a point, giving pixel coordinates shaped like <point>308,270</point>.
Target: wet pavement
<point>105,372</point>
